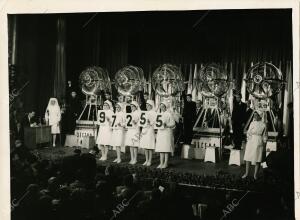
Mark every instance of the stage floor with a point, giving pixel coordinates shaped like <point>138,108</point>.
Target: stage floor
<point>176,163</point>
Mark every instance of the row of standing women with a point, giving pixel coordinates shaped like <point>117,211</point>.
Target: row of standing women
<point>112,132</point>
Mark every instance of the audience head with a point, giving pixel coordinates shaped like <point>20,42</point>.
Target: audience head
<point>73,94</point>
<point>189,97</point>
<point>31,114</point>
<point>77,152</point>
<point>18,143</point>
<point>128,180</point>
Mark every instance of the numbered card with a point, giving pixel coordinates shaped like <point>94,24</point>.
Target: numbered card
<point>159,122</point>
<point>101,117</point>
<point>143,119</point>
<point>129,121</point>
<point>113,122</point>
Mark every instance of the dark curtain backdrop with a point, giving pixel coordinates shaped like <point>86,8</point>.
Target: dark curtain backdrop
<point>235,38</point>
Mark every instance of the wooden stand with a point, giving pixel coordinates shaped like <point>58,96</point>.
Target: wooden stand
<point>36,135</point>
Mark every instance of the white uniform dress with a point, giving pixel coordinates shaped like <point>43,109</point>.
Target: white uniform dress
<point>53,116</point>
<point>164,138</point>
<point>133,133</point>
<point>117,136</point>
<point>147,137</point>
<point>257,137</point>
<point>105,130</point>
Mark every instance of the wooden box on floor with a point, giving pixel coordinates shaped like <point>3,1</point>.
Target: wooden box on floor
<point>36,135</point>
<point>71,141</point>
<point>88,142</point>
<point>211,154</point>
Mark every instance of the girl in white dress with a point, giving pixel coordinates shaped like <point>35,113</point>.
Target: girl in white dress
<point>118,124</point>
<point>147,138</point>
<point>105,130</point>
<point>257,137</point>
<point>165,137</point>
<point>132,135</point>
<point>52,117</point>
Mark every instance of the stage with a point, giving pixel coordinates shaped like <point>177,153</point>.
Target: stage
<point>176,163</point>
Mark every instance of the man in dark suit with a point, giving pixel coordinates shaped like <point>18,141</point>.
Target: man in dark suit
<point>30,119</point>
<point>72,112</point>
<point>249,111</point>
<point>238,121</point>
<point>189,118</point>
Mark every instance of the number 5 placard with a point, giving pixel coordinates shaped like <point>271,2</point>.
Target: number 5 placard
<point>101,117</point>
<point>159,122</point>
<point>143,120</point>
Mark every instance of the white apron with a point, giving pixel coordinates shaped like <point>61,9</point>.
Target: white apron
<point>147,137</point>
<point>164,138</point>
<point>105,130</point>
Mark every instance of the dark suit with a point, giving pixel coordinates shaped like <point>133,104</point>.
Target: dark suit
<point>143,101</point>
<point>238,121</point>
<point>28,121</point>
<point>248,114</point>
<point>72,113</point>
<point>189,118</point>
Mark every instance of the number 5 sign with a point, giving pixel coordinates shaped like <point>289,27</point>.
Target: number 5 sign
<point>159,122</point>
<point>143,120</point>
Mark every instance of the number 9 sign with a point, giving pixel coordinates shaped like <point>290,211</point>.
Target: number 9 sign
<point>143,120</point>
<point>101,117</point>
<point>159,122</point>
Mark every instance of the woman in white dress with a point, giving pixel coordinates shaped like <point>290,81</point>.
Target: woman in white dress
<point>105,130</point>
<point>118,124</point>
<point>257,137</point>
<point>52,117</point>
<point>164,138</point>
<point>147,138</point>
<point>132,135</point>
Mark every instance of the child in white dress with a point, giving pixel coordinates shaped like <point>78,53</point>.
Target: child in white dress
<point>257,137</point>
<point>105,130</point>
<point>52,117</point>
<point>164,139</point>
<point>118,124</point>
<point>133,132</point>
<point>147,138</point>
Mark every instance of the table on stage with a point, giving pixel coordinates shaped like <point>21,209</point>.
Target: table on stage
<point>37,135</point>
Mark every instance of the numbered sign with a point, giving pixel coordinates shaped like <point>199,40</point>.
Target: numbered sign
<point>114,122</point>
<point>143,120</point>
<point>101,117</point>
<point>129,121</point>
<point>159,122</point>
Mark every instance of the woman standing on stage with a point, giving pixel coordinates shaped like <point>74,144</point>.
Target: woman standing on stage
<point>118,124</point>
<point>147,139</point>
<point>132,135</point>
<point>257,137</point>
<point>52,117</point>
<point>164,138</point>
<point>105,130</point>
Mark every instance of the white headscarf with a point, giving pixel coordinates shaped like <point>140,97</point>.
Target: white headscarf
<point>53,113</point>
<point>136,105</point>
<point>109,104</point>
<point>54,107</point>
<point>151,102</point>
